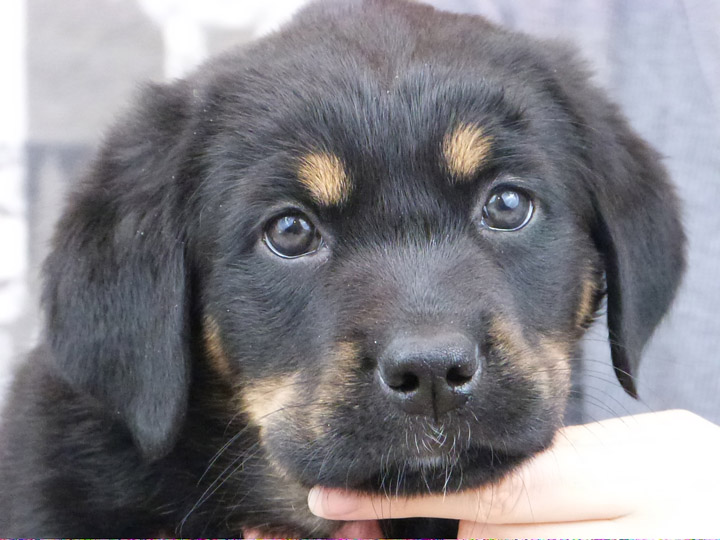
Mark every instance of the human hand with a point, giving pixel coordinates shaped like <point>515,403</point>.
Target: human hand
<point>649,475</point>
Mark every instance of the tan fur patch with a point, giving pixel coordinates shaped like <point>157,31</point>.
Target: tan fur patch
<point>214,348</point>
<point>547,363</point>
<point>325,177</point>
<point>333,388</point>
<point>507,338</point>
<point>465,150</point>
<point>264,400</point>
<point>345,356</point>
<point>555,349</point>
<point>554,374</point>
<point>586,305</point>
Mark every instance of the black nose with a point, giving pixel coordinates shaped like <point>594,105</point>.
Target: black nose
<point>429,375</point>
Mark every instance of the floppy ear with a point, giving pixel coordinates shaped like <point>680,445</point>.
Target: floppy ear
<point>115,296</point>
<point>639,233</point>
<point>636,226</point>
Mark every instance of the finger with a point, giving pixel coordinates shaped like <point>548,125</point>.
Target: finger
<point>486,505</point>
<point>342,505</point>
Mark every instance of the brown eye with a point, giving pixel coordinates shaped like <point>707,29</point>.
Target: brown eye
<point>507,209</point>
<point>292,235</point>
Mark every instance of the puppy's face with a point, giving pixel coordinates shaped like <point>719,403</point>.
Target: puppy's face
<point>383,230</point>
<point>398,292</point>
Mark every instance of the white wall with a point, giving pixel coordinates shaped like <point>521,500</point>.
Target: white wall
<point>13,223</point>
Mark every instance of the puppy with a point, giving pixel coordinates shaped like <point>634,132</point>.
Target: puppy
<point>358,253</point>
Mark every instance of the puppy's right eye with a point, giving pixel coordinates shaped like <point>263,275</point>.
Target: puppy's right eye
<point>292,235</point>
<point>507,209</point>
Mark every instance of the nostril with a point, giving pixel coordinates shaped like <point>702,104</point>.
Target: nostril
<point>457,376</point>
<point>406,383</point>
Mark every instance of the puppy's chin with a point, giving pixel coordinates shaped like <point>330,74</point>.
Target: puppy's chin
<point>413,462</point>
<point>439,474</point>
<point>398,475</point>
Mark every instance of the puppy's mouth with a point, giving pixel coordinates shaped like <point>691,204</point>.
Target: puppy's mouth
<point>425,457</point>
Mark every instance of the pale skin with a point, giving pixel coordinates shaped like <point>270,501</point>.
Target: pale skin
<point>650,475</point>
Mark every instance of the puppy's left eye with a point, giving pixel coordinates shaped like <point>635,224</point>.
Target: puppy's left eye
<point>292,235</point>
<point>507,209</point>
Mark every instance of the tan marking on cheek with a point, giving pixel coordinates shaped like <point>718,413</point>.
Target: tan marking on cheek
<point>555,369</point>
<point>507,338</point>
<point>346,356</point>
<point>465,150</point>
<point>335,386</point>
<point>324,175</point>
<point>547,364</point>
<point>214,348</point>
<point>586,304</point>
<point>265,401</point>
<point>555,349</point>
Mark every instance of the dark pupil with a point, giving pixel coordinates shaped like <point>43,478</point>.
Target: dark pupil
<point>291,235</point>
<point>506,210</point>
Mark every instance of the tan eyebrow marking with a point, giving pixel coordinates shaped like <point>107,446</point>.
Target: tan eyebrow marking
<point>466,149</point>
<point>325,177</point>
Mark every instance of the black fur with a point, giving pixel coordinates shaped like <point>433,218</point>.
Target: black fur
<point>121,425</point>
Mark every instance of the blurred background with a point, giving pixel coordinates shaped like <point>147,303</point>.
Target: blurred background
<point>69,67</point>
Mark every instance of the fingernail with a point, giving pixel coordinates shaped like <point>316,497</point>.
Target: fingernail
<point>331,504</point>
